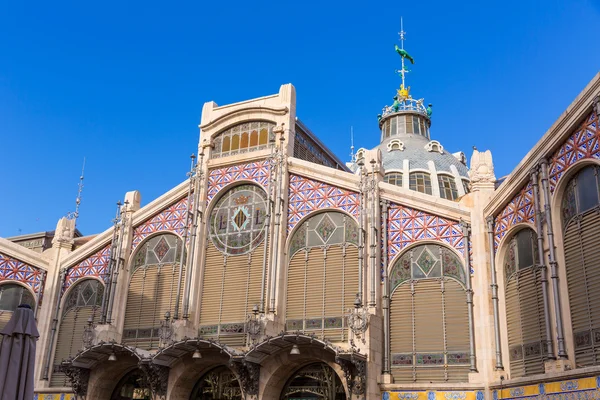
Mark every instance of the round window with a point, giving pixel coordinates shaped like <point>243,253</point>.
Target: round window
<point>238,220</point>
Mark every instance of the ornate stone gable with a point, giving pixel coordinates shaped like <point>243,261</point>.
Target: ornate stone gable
<point>582,144</point>
<point>307,195</point>
<point>16,270</point>
<point>257,172</point>
<point>520,209</point>
<point>95,265</point>
<point>171,219</point>
<point>407,226</point>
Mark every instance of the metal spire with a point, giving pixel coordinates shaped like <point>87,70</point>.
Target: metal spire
<point>402,33</point>
<point>352,155</point>
<point>74,215</point>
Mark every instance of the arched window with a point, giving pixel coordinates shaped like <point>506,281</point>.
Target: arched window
<point>152,289</point>
<point>581,221</point>
<point>429,325</point>
<point>11,296</point>
<point>322,276</point>
<point>393,178</point>
<point>524,305</point>
<point>420,181</point>
<point>465,184</point>
<point>234,263</point>
<point>395,144</point>
<point>81,306</point>
<point>447,187</point>
<point>217,384</point>
<point>242,138</point>
<point>134,385</point>
<point>314,381</point>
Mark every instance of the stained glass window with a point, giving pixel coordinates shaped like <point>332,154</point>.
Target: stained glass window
<point>237,222</point>
<point>394,178</point>
<point>12,295</point>
<point>87,293</point>
<point>242,138</point>
<point>447,187</point>
<point>161,249</point>
<point>327,228</point>
<point>521,252</point>
<point>426,261</point>
<point>420,181</point>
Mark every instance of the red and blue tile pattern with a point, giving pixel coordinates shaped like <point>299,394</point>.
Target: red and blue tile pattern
<point>307,195</point>
<point>583,144</point>
<point>171,219</point>
<point>520,209</point>
<point>95,265</point>
<point>16,270</point>
<point>257,172</point>
<point>407,226</point>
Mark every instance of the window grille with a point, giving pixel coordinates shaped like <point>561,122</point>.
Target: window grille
<point>82,304</point>
<point>242,138</point>
<point>429,326</point>
<point>393,178</point>
<point>581,221</point>
<point>524,305</point>
<point>420,181</point>
<point>447,187</point>
<point>322,276</point>
<point>152,289</point>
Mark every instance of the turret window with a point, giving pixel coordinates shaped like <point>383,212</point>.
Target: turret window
<point>393,178</point>
<point>404,124</point>
<point>447,187</point>
<point>395,144</point>
<point>421,182</point>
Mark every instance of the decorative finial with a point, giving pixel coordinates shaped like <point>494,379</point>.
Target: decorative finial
<point>403,93</point>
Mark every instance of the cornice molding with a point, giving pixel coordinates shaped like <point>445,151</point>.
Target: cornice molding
<point>245,110</point>
<point>24,254</point>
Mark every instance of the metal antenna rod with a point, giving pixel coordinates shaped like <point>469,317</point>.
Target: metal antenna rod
<point>79,190</point>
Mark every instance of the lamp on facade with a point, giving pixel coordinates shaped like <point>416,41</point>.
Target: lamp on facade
<point>254,324</point>
<point>197,355</point>
<point>295,350</point>
<point>112,357</point>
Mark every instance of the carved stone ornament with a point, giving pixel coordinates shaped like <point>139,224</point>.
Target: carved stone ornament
<point>482,167</point>
<point>248,374</point>
<point>65,231</point>
<point>78,378</point>
<point>157,377</point>
<point>358,320</point>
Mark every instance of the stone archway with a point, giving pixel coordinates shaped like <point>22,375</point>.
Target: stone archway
<point>220,383</point>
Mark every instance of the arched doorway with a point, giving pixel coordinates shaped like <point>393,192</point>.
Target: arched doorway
<point>217,384</point>
<point>132,386</point>
<point>316,381</point>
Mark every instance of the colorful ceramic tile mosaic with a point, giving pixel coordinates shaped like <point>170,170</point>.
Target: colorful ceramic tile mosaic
<point>54,396</point>
<point>307,195</point>
<point>171,219</point>
<point>406,226</point>
<point>575,389</point>
<point>13,269</point>
<point>257,172</point>
<point>433,395</point>
<point>580,145</point>
<point>520,209</point>
<point>95,265</point>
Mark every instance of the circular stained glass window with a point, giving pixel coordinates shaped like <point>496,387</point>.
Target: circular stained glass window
<point>237,223</point>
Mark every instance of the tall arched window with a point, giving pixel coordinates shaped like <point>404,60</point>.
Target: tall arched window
<point>420,181</point>
<point>234,262</point>
<point>393,178</point>
<point>429,324</point>
<point>81,305</point>
<point>322,277</point>
<point>447,187</point>
<point>242,138</point>
<point>524,305</point>
<point>11,296</point>
<point>581,222</point>
<point>152,289</point>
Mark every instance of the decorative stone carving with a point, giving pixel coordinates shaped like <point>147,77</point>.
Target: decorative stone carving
<point>482,168</point>
<point>65,231</point>
<point>157,377</point>
<point>78,377</point>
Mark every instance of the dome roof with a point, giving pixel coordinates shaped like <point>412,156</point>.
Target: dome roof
<point>418,150</point>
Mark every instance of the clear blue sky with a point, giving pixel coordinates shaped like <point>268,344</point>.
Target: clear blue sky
<point>123,84</point>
